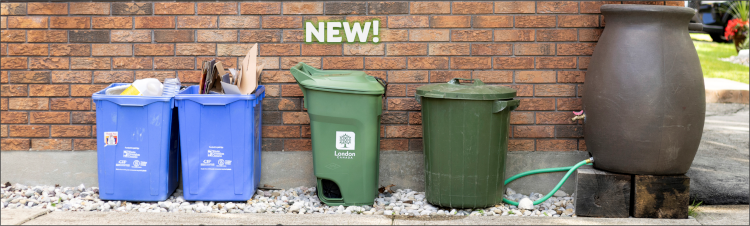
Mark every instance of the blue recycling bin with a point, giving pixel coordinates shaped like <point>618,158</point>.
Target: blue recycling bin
<point>221,142</point>
<point>138,145</point>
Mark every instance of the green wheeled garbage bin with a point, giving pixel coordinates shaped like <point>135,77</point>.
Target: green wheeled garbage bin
<point>345,109</point>
<point>465,134</point>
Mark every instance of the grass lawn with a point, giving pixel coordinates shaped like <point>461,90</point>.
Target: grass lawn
<point>710,53</point>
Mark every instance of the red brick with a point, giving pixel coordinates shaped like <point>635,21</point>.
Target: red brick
<point>429,35</point>
<point>71,77</point>
<point>537,104</point>
<point>13,62</point>
<point>28,104</point>
<point>174,63</point>
<point>47,36</point>
<point>196,22</point>
<point>515,35</point>
<point>569,131</point>
<point>228,62</point>
<point>578,21</point>
<point>28,49</point>
<point>450,21</point>
<point>4,105</point>
<point>406,49</point>
<point>277,77</point>
<point>556,7</point>
<point>291,91</point>
<point>317,49</point>
<point>535,77</point>
<point>113,22</point>
<point>569,104</point>
<point>48,63</point>
<point>345,63</point>
<point>395,35</point>
<point>29,130</point>
<point>196,49</point>
<point>27,22</point>
<point>589,35</point>
<point>84,144</point>
<point>430,7</point>
<point>89,8</point>
<point>297,145</point>
<point>366,49</point>
<point>584,62</point>
<point>471,35</point>
<point>15,144</point>
<point>14,117</point>
<point>70,22</point>
<point>674,3</point>
<point>303,8</point>
<point>556,145</point>
<point>514,7</point>
<point>294,35</point>
<point>217,36</point>
<point>112,49</point>
<point>50,117</point>
<point>260,36</point>
<point>472,7</point>
<point>132,63</point>
<point>137,8</point>
<point>556,35</point>
<point>71,131</point>
<point>171,8</point>
<point>386,62</point>
<point>289,62</point>
<point>47,8</point>
<point>493,76</point>
<point>282,22</point>
<point>76,104</point>
<point>217,8</point>
<point>13,36</point>
<point>581,145</point>
<point>397,90</point>
<point>48,90</point>
<point>408,21</point>
<point>295,118</point>
<point>403,131</point>
<point>554,90</point>
<point>232,49</point>
<point>154,49</point>
<point>90,63</point>
<point>394,117</point>
<point>394,144</point>
<point>493,21</point>
<point>161,75</point>
<point>571,76</point>
<point>260,7</point>
<point>415,118</point>
<point>446,49</point>
<point>562,117</point>
<point>3,49</point>
<point>113,76</point>
<point>521,117</point>
<point>535,21</point>
<point>13,9</point>
<point>514,62</point>
<point>29,77</point>
<point>189,35</point>
<point>189,76</point>
<point>154,22</point>
<point>51,145</point>
<point>568,49</point>
<point>346,8</point>
<point>445,76</point>
<point>533,131</point>
<point>534,49</point>
<point>555,62</point>
<point>411,89</point>
<point>3,77</point>
<point>520,145</point>
<point>593,7</point>
<point>408,76</point>
<point>491,49</point>
<point>269,63</point>
<point>280,49</point>
<point>131,36</point>
<point>471,62</point>
<point>281,131</point>
<point>428,62</point>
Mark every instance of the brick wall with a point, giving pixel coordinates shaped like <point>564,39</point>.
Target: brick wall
<point>56,54</point>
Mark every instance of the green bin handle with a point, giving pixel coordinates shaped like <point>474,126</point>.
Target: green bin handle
<point>455,81</point>
<point>500,105</point>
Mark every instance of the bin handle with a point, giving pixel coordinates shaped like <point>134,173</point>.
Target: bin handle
<point>455,81</point>
<point>382,83</point>
<point>500,105</point>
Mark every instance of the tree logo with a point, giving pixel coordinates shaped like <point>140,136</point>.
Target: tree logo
<point>344,140</point>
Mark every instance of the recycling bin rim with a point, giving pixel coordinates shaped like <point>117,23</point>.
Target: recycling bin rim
<point>218,99</point>
<point>129,100</point>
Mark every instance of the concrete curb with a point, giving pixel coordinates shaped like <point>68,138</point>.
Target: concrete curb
<point>20,216</point>
<point>719,90</point>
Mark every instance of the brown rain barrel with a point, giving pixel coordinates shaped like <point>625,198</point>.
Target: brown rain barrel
<point>643,96</point>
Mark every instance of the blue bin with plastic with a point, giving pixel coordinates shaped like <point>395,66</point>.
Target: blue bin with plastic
<point>220,139</point>
<point>138,145</point>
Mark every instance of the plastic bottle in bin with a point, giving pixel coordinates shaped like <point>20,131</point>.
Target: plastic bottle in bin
<point>145,87</point>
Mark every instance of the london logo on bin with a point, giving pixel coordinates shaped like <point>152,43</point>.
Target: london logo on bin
<point>345,140</point>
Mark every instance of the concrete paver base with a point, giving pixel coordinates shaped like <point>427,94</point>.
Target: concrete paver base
<point>20,216</point>
<point>724,215</point>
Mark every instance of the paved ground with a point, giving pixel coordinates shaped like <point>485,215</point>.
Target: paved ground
<point>719,174</point>
<point>706,215</point>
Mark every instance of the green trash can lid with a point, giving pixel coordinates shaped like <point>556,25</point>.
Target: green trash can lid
<point>356,82</point>
<point>469,91</point>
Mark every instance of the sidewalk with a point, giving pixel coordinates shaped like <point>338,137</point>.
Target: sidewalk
<point>707,215</point>
<point>719,90</point>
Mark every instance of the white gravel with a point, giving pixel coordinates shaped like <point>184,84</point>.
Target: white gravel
<point>742,60</point>
<point>300,200</point>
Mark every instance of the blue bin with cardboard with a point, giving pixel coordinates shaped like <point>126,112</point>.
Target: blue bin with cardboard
<point>138,145</point>
<point>221,142</point>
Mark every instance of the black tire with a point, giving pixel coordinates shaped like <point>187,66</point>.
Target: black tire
<point>718,38</point>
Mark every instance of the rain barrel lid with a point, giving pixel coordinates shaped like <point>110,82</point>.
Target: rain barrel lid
<point>356,82</point>
<point>468,91</point>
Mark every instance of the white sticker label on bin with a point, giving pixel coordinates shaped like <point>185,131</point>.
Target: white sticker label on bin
<point>130,154</point>
<point>344,140</point>
<point>110,138</point>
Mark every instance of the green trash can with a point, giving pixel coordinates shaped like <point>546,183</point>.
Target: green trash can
<point>345,109</point>
<point>465,134</point>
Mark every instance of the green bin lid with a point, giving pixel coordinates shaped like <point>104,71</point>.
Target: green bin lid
<point>356,82</point>
<point>470,91</point>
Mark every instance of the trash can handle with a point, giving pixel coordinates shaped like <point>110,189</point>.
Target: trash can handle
<point>455,81</point>
<point>382,83</point>
<point>501,105</point>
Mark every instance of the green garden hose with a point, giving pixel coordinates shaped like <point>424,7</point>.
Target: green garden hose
<point>570,170</point>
